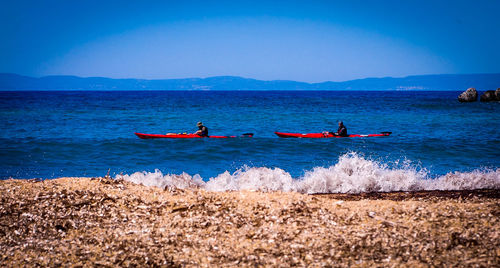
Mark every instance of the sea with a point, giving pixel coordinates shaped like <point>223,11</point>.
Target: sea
<point>436,142</point>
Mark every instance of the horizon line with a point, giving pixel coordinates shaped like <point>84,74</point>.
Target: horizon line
<point>249,78</point>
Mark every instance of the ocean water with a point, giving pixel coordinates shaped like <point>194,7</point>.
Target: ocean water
<point>437,142</point>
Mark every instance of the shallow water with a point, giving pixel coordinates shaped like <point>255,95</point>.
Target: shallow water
<point>76,133</point>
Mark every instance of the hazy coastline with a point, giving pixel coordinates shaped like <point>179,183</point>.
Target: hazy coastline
<point>434,82</point>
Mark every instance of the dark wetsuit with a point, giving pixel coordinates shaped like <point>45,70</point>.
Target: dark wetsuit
<point>342,131</point>
<point>204,131</point>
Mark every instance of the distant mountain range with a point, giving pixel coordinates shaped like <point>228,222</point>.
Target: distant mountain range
<point>458,82</point>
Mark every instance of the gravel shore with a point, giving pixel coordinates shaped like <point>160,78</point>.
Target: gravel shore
<point>98,221</point>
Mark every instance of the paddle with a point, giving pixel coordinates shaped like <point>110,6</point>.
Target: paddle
<point>247,134</point>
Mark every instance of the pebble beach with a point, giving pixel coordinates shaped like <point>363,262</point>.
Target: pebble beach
<point>86,222</point>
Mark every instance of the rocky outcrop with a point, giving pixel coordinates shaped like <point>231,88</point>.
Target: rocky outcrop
<point>469,95</point>
<point>490,95</point>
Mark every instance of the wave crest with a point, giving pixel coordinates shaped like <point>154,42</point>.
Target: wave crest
<point>351,174</point>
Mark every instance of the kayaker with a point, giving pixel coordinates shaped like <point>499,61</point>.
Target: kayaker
<point>202,130</point>
<point>341,131</point>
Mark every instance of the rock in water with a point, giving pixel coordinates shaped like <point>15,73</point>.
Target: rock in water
<point>489,96</point>
<point>469,95</point>
<point>497,94</point>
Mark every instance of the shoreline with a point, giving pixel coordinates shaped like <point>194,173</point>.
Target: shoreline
<point>99,221</point>
<point>408,195</point>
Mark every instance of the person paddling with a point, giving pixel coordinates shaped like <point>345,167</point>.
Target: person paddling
<point>341,131</point>
<point>202,130</point>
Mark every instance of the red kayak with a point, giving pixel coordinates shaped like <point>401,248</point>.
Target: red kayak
<point>328,135</point>
<point>185,136</point>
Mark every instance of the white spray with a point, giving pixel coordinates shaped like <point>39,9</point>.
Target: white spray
<point>352,174</point>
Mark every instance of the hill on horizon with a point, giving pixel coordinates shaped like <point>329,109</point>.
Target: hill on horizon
<point>456,82</point>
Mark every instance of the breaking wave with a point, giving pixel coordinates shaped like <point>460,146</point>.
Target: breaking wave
<point>352,174</point>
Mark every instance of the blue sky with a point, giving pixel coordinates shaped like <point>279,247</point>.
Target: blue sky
<point>309,41</point>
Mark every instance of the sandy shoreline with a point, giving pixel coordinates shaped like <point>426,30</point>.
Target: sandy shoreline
<point>88,222</point>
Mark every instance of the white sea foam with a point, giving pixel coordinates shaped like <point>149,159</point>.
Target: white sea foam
<point>355,174</point>
<point>157,179</point>
<point>351,174</point>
